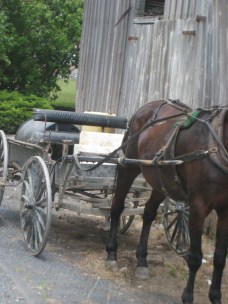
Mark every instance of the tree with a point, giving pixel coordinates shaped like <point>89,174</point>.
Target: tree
<point>38,42</point>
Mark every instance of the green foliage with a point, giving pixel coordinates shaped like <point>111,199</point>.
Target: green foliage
<point>38,42</point>
<point>16,108</point>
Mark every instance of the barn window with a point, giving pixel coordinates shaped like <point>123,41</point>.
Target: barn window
<point>150,8</point>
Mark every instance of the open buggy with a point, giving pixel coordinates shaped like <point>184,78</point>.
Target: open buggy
<point>54,159</point>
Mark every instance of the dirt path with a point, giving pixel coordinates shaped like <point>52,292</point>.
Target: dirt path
<point>72,267</point>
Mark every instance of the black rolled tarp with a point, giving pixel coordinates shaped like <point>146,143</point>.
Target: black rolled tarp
<point>80,118</point>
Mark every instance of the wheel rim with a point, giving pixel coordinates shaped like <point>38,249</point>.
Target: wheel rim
<point>126,220</point>
<point>3,162</point>
<point>176,217</point>
<point>125,223</point>
<point>35,214</point>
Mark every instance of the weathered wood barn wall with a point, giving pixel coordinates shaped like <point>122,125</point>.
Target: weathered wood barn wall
<point>128,58</point>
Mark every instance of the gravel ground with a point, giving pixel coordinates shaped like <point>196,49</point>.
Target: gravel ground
<point>72,267</point>
<point>58,275</point>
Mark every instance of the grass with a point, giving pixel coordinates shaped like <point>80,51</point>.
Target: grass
<point>67,96</point>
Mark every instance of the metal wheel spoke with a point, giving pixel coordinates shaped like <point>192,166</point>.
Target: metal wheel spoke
<point>28,236</point>
<point>35,236</point>
<point>40,192</point>
<point>26,219</point>
<point>185,230</point>
<point>39,232</point>
<point>184,240</point>
<point>185,222</point>
<point>26,198</point>
<point>175,229</point>
<point>27,186</point>
<point>30,180</point>
<point>31,239</point>
<point>40,218</point>
<point>41,202</point>
<point>186,216</point>
<point>34,184</point>
<point>179,234</point>
<point>172,223</point>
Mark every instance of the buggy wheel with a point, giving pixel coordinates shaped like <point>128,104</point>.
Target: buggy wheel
<point>176,216</point>
<point>3,162</point>
<point>36,205</point>
<point>125,223</point>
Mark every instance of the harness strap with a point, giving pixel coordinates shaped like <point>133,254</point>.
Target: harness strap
<point>198,154</point>
<point>220,144</point>
<point>216,129</point>
<point>176,103</point>
<point>168,153</point>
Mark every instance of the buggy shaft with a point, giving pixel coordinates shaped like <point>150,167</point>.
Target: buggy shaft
<point>127,161</point>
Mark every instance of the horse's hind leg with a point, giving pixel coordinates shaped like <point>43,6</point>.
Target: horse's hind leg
<point>219,257</point>
<point>149,215</point>
<point>125,178</point>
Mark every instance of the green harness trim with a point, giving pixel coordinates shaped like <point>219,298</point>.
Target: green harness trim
<point>190,120</point>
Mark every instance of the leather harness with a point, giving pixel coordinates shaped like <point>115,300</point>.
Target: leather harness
<point>214,119</point>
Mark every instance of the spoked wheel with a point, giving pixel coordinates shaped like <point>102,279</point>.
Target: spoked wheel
<point>3,163</point>
<point>176,216</point>
<point>36,205</point>
<point>126,221</point>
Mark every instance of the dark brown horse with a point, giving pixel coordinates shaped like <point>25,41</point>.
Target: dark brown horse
<point>202,180</point>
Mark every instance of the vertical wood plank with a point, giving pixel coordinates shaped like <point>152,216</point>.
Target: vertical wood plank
<point>123,67</point>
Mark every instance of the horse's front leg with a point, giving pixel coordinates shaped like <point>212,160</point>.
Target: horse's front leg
<point>149,215</point>
<point>219,257</point>
<point>194,261</point>
<point>125,178</point>
<point>111,246</point>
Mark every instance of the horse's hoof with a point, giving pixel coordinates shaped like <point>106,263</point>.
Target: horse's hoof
<point>187,302</point>
<point>142,273</point>
<point>187,298</point>
<point>215,296</point>
<point>112,265</point>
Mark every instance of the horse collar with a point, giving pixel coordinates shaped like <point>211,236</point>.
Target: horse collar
<point>215,139</point>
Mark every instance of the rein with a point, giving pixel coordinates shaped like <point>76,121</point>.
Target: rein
<point>151,122</point>
<point>112,154</point>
